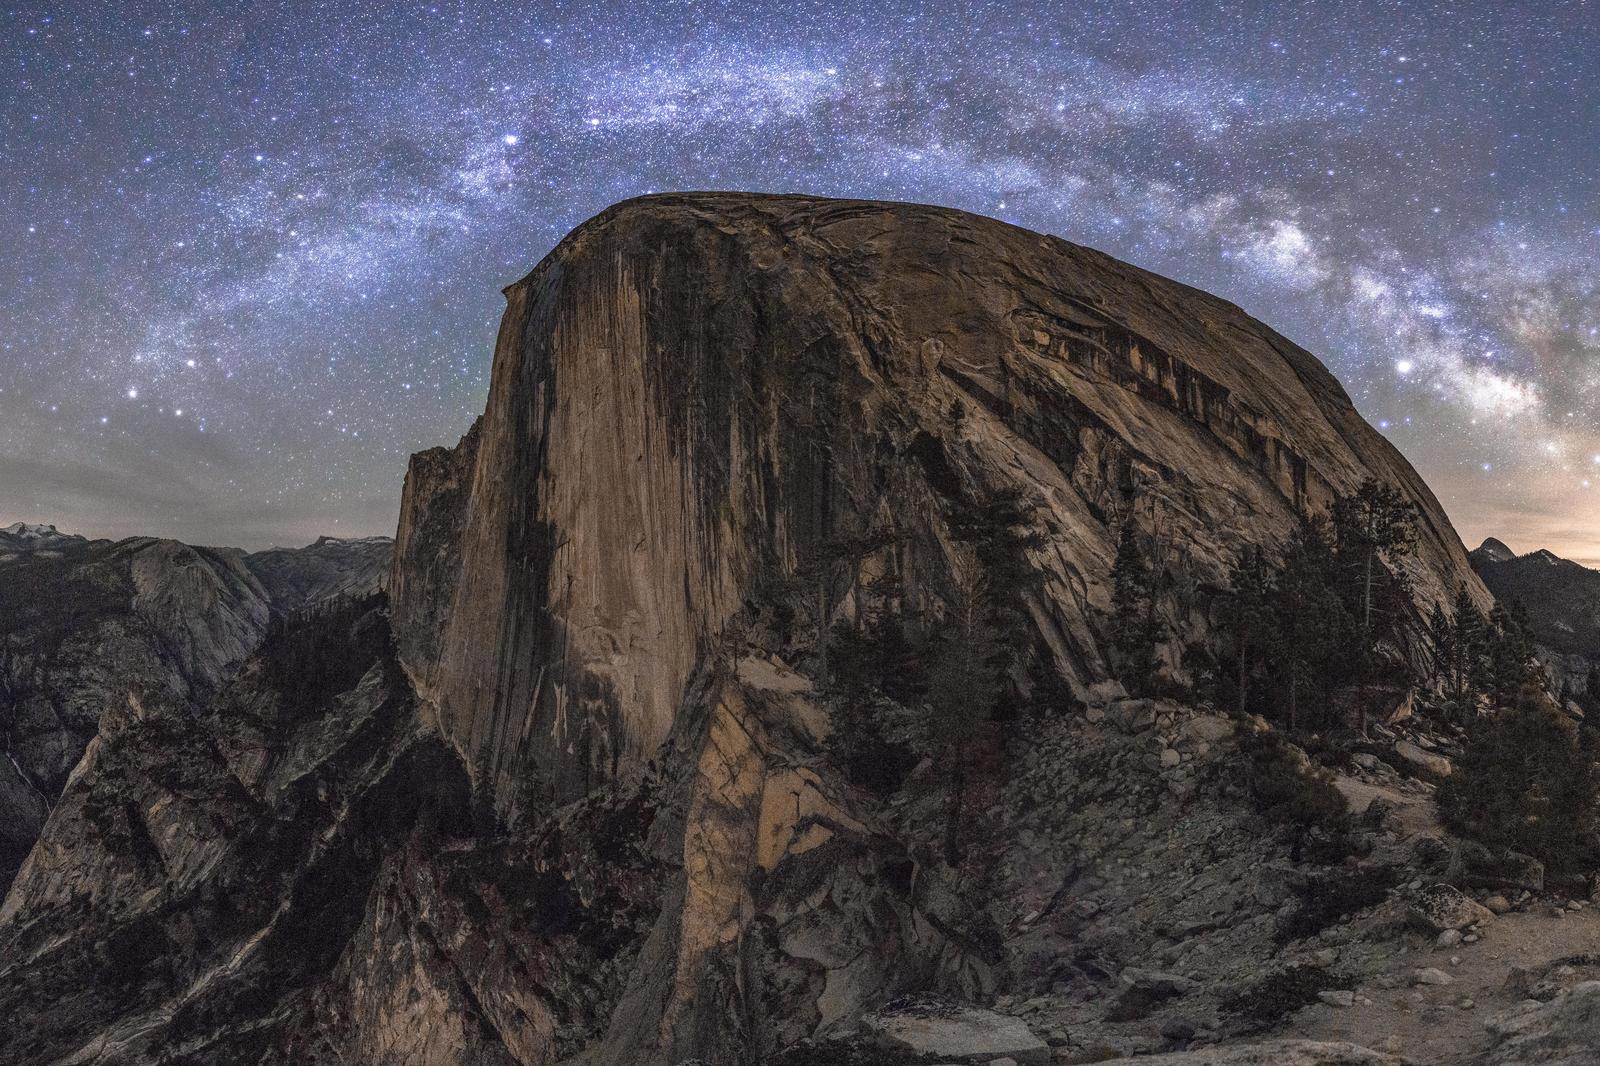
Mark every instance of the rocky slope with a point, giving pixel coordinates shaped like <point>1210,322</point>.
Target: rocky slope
<point>84,624</point>
<point>591,805</point>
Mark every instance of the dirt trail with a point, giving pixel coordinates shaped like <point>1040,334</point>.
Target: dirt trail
<point>1431,1024</point>
<point>1444,1024</point>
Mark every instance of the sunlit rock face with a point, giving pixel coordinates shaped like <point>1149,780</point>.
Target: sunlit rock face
<point>693,391</point>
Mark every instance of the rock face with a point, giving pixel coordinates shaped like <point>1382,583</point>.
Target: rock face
<point>692,393</point>
<point>84,624</point>
<point>591,805</point>
<point>1561,1032</point>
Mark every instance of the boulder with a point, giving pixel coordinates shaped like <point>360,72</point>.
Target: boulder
<point>1431,975</point>
<point>1497,904</point>
<point>1439,857</point>
<point>1438,908</point>
<point>1402,707</point>
<point>956,1035</point>
<point>1381,815</point>
<point>1103,692</point>
<point>1507,870</point>
<point>1163,984</point>
<point>1562,1032</point>
<point>1132,716</point>
<point>1426,762</point>
<point>1142,990</point>
<point>1203,731</point>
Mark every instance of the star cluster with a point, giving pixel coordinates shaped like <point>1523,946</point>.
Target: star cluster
<point>250,254</point>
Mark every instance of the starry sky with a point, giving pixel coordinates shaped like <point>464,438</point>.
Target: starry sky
<point>251,253</point>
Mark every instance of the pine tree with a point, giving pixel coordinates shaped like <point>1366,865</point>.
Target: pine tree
<point>1508,661</point>
<point>869,666</point>
<point>963,689</point>
<point>1525,782</point>
<point>1374,529</point>
<point>1460,644</point>
<point>1441,633</point>
<point>1246,611</point>
<point>1589,725</point>
<point>976,649</point>
<point>1134,630</point>
<point>820,568</point>
<point>1308,618</point>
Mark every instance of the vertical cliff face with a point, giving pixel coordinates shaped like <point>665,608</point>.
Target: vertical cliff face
<point>692,393</point>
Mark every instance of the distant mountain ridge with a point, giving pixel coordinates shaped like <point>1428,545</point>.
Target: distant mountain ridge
<point>20,537</point>
<point>88,625</point>
<point>1493,551</point>
<point>296,578</point>
<point>1561,597</point>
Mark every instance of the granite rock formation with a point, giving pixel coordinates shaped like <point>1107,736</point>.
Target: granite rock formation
<point>299,579</point>
<point>85,623</point>
<point>577,796</point>
<point>693,393</point>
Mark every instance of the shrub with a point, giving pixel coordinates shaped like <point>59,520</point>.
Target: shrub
<point>1524,782</point>
<point>1287,788</point>
<point>870,757</point>
<point>1324,900</point>
<point>1277,995</point>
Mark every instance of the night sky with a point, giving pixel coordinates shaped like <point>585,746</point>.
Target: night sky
<point>251,253</point>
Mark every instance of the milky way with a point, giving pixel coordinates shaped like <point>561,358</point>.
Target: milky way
<point>251,253</point>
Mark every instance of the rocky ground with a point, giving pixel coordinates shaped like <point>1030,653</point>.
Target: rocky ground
<point>1152,913</point>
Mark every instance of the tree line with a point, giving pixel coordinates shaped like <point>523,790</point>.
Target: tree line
<point>956,656</point>
<point>1307,635</point>
<point>1326,614</point>
<point>1311,636</point>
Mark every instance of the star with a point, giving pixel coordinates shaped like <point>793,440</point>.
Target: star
<point>1424,223</point>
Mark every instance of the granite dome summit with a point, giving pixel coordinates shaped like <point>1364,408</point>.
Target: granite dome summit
<point>692,391</point>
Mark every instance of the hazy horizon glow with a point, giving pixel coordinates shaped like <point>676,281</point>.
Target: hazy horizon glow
<point>253,257</point>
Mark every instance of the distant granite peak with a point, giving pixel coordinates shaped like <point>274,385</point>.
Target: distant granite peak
<point>22,536</point>
<point>1562,596</point>
<point>1495,551</point>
